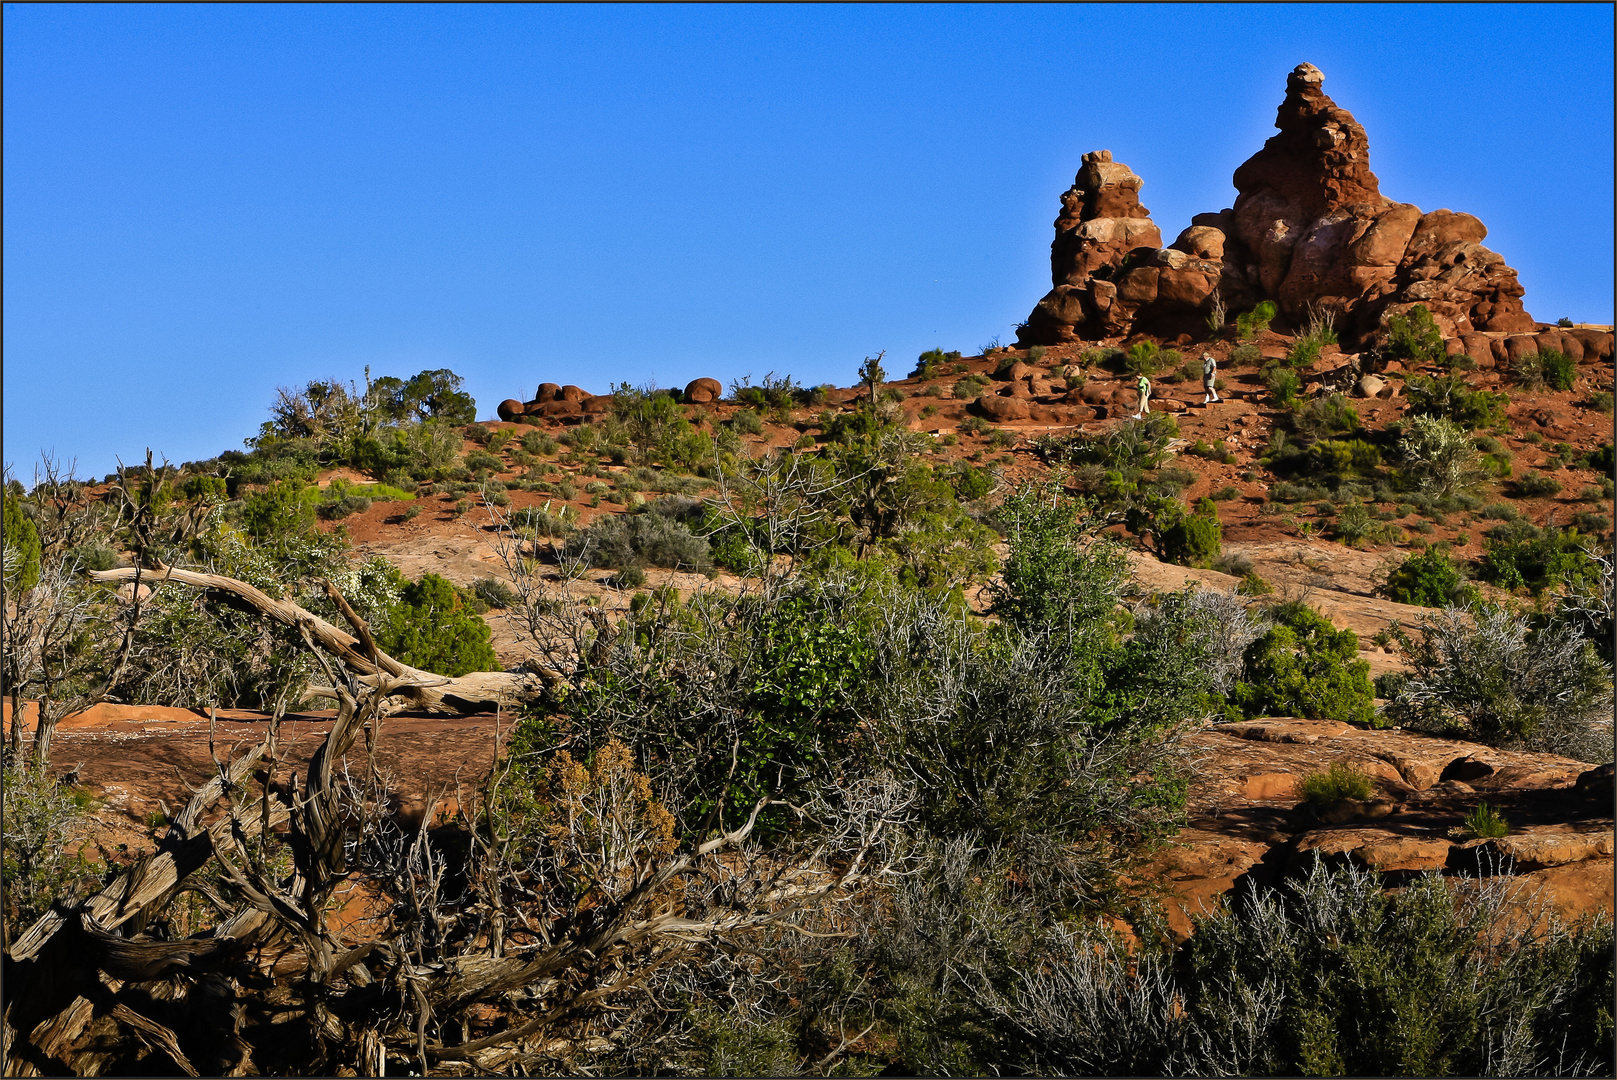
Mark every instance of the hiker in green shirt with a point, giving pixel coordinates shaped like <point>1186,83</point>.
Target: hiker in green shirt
<point>1145,398</point>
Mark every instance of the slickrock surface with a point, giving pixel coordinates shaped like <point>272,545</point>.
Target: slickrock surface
<point>1247,822</point>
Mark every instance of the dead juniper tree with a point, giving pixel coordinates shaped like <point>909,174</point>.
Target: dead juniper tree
<point>507,946</point>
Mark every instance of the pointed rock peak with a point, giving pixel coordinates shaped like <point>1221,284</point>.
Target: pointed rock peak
<point>1320,161</point>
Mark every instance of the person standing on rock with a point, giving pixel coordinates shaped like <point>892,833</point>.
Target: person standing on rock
<point>1145,397</point>
<point>1209,376</point>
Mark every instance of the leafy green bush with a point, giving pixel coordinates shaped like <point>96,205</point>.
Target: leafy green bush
<point>1488,674</point>
<point>1322,417</point>
<point>1355,525</point>
<point>495,593</point>
<point>929,365</point>
<point>746,422</point>
<point>41,818</point>
<point>970,388</point>
<point>1342,780</point>
<point>654,539</point>
<point>1252,323</point>
<point>1519,555</point>
<point>22,547</point>
<point>1143,358</point>
<point>1413,338</point>
<point>1537,485</point>
<point>432,628</point>
<point>1190,539</point>
<point>1304,666</point>
<point>1559,370</point>
<point>1283,385</point>
<point>1302,353</point>
<point>1242,355</point>
<point>1485,823</point>
<point>1449,397</point>
<point>278,512</point>
<point>1430,579</point>
<point>1438,460</point>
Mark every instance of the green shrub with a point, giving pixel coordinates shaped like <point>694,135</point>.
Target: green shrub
<point>970,388</point>
<point>538,443</point>
<point>1558,368</point>
<point>279,511</point>
<point>653,539</point>
<point>479,459</point>
<point>1500,677</point>
<point>495,593</point>
<point>1591,522</point>
<point>1484,823</point>
<point>42,818</point>
<point>1518,555</point>
<point>1537,485</point>
<point>746,422</point>
<point>1413,338</point>
<point>432,628</point>
<point>1341,781</point>
<point>1302,353</point>
<point>1355,525</point>
<point>1243,355</point>
<point>1323,417</point>
<point>1252,323</point>
<point>203,487</point>
<point>1304,666</point>
<point>1602,460</point>
<point>1225,494</point>
<point>22,547</point>
<point>1438,460</point>
<point>1600,401</point>
<point>1430,579</point>
<point>1254,584</point>
<point>929,365</point>
<point>1283,385</point>
<point>630,577</point>
<point>1144,358</point>
<point>1449,397</point>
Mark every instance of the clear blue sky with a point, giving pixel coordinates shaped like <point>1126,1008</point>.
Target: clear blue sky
<point>202,203</point>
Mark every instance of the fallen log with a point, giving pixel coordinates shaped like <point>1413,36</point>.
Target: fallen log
<point>479,691</point>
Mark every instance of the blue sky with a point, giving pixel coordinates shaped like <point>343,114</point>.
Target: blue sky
<point>203,203</point>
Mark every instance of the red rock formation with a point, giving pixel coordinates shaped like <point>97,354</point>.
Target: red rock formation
<point>1310,228</point>
<point>702,391</point>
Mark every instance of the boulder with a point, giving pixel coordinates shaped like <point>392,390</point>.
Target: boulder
<point>572,393</point>
<point>509,409</point>
<point>1002,410</point>
<point>1369,386</point>
<point>599,403</point>
<point>1095,393</point>
<point>704,390</point>
<point>1202,241</point>
<point>1520,345</point>
<point>547,392</point>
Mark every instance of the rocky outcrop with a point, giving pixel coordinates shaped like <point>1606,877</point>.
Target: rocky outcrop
<point>703,391</point>
<point>1310,229</point>
<point>1248,822</point>
<point>1108,266</point>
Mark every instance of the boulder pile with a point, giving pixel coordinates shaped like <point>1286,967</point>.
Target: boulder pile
<point>555,400</point>
<point>1310,230</point>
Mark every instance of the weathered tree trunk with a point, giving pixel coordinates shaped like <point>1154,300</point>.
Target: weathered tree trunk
<point>479,691</point>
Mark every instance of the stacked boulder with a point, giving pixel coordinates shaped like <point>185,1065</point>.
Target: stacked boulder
<point>1108,265</point>
<point>555,400</point>
<point>1309,230</point>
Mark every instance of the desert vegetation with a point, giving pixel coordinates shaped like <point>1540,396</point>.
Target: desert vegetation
<point>863,730</point>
